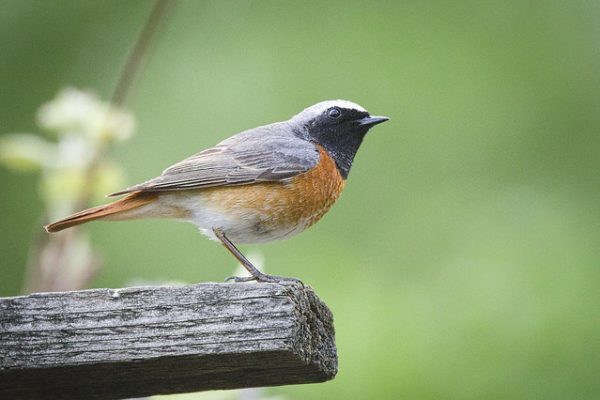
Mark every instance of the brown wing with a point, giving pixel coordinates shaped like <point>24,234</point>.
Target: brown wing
<point>258,155</point>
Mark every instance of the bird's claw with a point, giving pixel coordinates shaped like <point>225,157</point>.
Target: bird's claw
<point>264,278</point>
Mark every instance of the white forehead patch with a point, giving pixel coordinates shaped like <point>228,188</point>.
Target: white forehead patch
<point>319,108</point>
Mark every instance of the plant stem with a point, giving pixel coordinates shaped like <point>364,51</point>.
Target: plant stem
<point>137,54</point>
<point>40,275</point>
<point>129,72</point>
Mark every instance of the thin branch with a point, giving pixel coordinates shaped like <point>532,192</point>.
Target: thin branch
<point>138,52</point>
<point>130,71</point>
<point>45,279</point>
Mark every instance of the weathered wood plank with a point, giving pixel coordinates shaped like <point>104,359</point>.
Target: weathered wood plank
<point>133,342</point>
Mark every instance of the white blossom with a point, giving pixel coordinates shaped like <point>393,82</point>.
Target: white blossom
<point>78,112</point>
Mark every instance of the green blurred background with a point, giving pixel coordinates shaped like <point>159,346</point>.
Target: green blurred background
<point>462,261</point>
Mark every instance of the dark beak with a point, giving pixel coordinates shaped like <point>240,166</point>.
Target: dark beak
<point>371,121</point>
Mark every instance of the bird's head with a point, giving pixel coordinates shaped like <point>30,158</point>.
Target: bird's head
<point>337,125</point>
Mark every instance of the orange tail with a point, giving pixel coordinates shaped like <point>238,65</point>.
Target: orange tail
<point>130,202</point>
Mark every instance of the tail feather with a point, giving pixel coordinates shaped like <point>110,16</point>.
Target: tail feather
<point>108,211</point>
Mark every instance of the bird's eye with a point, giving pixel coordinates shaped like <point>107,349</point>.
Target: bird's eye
<point>334,112</point>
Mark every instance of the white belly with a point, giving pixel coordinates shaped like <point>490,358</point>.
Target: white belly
<point>241,225</point>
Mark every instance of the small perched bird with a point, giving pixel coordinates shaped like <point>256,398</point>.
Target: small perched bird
<point>263,184</point>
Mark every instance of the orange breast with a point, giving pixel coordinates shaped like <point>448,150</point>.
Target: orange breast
<point>294,205</point>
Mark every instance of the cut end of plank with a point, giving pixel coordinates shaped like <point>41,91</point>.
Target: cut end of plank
<point>159,340</point>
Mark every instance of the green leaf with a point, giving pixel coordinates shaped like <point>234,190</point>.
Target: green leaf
<point>25,152</point>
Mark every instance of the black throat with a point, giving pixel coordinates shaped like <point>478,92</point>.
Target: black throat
<point>342,146</point>
<point>340,131</point>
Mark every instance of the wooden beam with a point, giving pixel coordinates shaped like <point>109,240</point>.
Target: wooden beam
<point>134,342</point>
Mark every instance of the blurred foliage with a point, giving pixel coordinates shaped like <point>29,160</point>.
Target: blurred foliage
<point>73,168</point>
<point>82,126</point>
<point>462,260</point>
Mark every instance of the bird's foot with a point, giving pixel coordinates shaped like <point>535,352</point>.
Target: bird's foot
<point>264,278</point>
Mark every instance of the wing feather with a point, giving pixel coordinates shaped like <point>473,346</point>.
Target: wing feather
<point>259,155</point>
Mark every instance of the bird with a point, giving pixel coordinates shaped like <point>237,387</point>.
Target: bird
<point>263,184</point>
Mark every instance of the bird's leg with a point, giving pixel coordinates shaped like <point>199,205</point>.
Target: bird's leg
<point>255,274</point>
<point>236,253</point>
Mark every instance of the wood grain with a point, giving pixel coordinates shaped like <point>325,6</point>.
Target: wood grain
<point>134,342</point>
